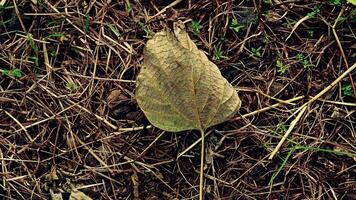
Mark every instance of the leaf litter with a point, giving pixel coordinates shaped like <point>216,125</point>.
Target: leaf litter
<point>70,129</point>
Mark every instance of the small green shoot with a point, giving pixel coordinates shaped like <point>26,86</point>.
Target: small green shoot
<point>347,90</point>
<point>266,39</point>
<point>71,86</point>
<point>353,15</point>
<point>42,4</point>
<point>310,33</point>
<point>36,49</point>
<point>52,53</point>
<point>114,29</point>
<point>283,164</point>
<point>3,23</point>
<point>32,43</point>
<point>56,35</point>
<point>221,39</point>
<point>337,2</point>
<point>299,56</point>
<point>3,8</point>
<point>342,19</point>
<point>281,129</point>
<point>196,26</point>
<point>314,12</point>
<point>87,23</point>
<point>306,64</point>
<point>218,53</point>
<point>75,50</point>
<point>129,7</point>
<point>56,22</point>
<point>296,147</point>
<point>236,26</point>
<point>35,59</point>
<point>16,73</point>
<point>148,32</point>
<point>256,51</point>
<point>281,68</point>
<point>288,23</point>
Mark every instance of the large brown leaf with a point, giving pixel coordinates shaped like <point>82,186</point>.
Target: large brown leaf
<point>179,89</point>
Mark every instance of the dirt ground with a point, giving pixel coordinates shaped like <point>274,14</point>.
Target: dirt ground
<point>70,124</point>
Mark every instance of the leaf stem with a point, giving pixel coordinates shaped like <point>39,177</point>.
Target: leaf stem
<point>201,177</point>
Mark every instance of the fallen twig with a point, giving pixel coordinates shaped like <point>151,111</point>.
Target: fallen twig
<point>302,109</point>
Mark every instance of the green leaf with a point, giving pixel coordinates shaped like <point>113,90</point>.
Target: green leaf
<point>87,23</point>
<point>56,35</point>
<point>347,90</point>
<point>236,26</point>
<point>352,2</point>
<point>179,89</point>
<point>129,7</point>
<point>6,72</point>
<point>71,86</point>
<point>196,26</point>
<point>16,73</point>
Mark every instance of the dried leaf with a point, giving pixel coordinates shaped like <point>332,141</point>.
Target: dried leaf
<point>78,195</point>
<point>115,97</point>
<point>179,89</point>
<point>56,196</point>
<point>74,195</point>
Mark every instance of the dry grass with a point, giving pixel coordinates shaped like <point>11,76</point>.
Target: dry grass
<point>69,120</point>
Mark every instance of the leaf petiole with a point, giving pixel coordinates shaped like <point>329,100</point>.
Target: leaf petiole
<point>201,177</point>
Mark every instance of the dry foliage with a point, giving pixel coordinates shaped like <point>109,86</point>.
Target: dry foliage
<point>179,89</point>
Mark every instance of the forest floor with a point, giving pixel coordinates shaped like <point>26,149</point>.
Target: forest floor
<point>70,124</point>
